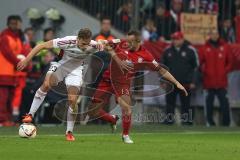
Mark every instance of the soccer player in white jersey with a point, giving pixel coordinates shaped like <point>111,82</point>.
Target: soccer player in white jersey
<point>70,68</point>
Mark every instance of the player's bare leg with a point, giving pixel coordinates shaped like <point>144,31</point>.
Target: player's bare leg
<point>96,111</point>
<point>39,97</point>
<point>73,94</point>
<point>125,103</point>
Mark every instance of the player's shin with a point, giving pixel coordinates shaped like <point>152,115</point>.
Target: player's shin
<point>124,102</point>
<point>71,118</point>
<point>37,101</point>
<point>103,115</point>
<point>126,122</point>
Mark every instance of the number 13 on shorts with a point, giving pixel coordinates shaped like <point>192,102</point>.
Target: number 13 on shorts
<point>125,91</point>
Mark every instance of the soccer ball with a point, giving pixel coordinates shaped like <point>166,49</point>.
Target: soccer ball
<point>27,130</point>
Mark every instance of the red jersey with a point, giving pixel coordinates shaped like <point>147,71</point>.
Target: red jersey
<point>140,59</point>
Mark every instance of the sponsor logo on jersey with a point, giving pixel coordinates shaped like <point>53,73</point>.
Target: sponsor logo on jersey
<point>140,60</point>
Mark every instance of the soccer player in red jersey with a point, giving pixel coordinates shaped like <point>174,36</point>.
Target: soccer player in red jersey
<point>116,82</point>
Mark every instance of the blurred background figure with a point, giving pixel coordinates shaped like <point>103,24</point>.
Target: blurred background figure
<point>124,14</point>
<point>29,35</point>
<point>149,31</point>
<point>105,30</point>
<point>48,34</point>
<point>182,61</point>
<point>227,31</point>
<point>175,12</point>
<point>215,60</point>
<point>11,48</point>
<point>165,23</point>
<point>20,75</point>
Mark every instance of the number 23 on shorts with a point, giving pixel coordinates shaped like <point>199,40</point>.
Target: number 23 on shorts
<point>53,68</point>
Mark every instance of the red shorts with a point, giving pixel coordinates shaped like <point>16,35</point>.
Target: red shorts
<point>106,89</point>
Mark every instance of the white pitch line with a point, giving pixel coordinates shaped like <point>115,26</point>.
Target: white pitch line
<point>110,134</point>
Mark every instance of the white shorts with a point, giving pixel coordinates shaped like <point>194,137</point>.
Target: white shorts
<point>71,72</point>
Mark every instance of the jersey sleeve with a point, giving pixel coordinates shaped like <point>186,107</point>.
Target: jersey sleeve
<point>149,62</point>
<point>65,42</point>
<point>121,45</point>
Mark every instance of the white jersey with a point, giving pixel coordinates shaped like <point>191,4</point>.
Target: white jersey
<point>69,46</point>
<point>70,67</point>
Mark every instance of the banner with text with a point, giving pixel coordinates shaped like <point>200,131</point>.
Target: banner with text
<point>196,27</point>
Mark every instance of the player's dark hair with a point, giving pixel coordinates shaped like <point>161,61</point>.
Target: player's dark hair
<point>45,31</point>
<point>13,17</point>
<point>135,33</point>
<point>84,33</point>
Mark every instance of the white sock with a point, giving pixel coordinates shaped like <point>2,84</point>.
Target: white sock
<point>15,111</point>
<point>71,117</point>
<point>37,101</point>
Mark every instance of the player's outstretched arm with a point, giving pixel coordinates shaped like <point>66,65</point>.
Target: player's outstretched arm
<point>23,63</point>
<point>123,65</point>
<point>169,77</point>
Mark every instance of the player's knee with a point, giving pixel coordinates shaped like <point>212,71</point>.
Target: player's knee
<point>127,110</point>
<point>45,86</point>
<point>125,105</point>
<point>72,99</point>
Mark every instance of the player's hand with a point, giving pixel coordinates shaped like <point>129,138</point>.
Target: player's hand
<point>108,47</point>
<point>100,46</point>
<point>22,64</point>
<point>179,86</point>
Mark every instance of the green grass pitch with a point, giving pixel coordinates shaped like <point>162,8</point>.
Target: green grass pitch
<point>150,142</point>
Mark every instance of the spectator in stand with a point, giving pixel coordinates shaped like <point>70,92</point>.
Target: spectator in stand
<point>213,7</point>
<point>124,17</point>
<point>29,35</point>
<point>182,60</point>
<point>215,60</point>
<point>237,4</point>
<point>149,31</point>
<point>204,6</point>
<point>11,48</point>
<point>48,34</point>
<point>175,12</point>
<point>147,7</point>
<point>227,31</point>
<point>105,32</point>
<point>237,25</point>
<point>165,23</point>
<point>20,76</point>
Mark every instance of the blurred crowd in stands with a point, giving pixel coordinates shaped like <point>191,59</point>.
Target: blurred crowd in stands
<point>159,22</point>
<point>160,18</point>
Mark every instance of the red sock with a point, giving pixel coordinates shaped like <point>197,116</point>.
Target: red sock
<point>126,123</point>
<point>106,116</point>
